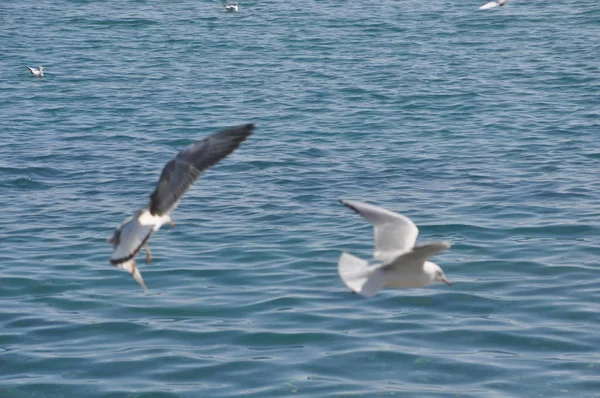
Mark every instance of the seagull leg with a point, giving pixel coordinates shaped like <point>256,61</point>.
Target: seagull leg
<point>172,224</point>
<point>131,267</point>
<point>148,253</point>
<point>138,277</point>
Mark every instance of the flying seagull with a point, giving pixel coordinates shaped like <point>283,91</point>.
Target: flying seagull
<point>176,178</point>
<point>403,265</point>
<point>231,7</point>
<point>492,4</point>
<point>36,72</point>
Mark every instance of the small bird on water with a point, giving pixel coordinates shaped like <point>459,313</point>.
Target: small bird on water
<point>177,177</point>
<point>231,7</point>
<point>403,264</point>
<point>36,72</point>
<point>492,4</point>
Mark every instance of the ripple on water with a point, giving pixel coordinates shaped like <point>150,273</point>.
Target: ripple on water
<point>490,145</point>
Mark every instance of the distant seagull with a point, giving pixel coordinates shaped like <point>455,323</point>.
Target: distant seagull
<point>492,4</point>
<point>177,177</point>
<point>36,72</point>
<point>231,7</point>
<point>403,265</point>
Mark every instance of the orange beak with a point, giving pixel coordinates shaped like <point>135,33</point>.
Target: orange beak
<point>446,281</point>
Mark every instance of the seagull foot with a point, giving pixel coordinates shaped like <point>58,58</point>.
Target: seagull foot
<point>172,224</point>
<point>148,253</point>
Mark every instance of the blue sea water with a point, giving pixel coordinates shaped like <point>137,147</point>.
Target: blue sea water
<point>482,126</point>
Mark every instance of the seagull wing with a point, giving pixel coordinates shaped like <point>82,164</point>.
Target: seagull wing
<point>490,4</point>
<point>394,233</point>
<point>132,237</point>
<point>418,255</point>
<point>181,172</point>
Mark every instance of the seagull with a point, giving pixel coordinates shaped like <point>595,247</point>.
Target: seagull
<point>403,264</point>
<point>231,7</point>
<point>36,72</point>
<point>177,177</point>
<point>495,3</point>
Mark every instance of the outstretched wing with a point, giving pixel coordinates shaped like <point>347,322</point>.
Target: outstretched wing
<point>131,238</point>
<point>181,172</point>
<point>394,233</point>
<point>418,255</point>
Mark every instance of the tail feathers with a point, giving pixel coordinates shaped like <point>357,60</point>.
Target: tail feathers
<point>358,276</point>
<point>131,267</point>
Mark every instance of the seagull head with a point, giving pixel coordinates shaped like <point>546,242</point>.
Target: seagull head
<point>436,273</point>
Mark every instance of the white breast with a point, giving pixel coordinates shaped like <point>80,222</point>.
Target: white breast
<point>406,279</point>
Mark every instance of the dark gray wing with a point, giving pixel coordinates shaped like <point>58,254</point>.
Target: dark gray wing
<point>182,171</point>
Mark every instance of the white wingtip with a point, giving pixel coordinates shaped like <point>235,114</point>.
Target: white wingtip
<point>358,276</point>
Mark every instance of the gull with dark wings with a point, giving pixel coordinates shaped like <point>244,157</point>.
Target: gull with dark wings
<point>177,177</point>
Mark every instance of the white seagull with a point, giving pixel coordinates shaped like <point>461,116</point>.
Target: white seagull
<point>36,72</point>
<point>176,178</point>
<point>403,264</point>
<point>231,7</point>
<point>492,4</point>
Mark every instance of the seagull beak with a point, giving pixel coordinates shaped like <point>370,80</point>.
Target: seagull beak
<point>446,281</point>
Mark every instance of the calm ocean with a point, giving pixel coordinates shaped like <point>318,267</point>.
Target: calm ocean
<point>482,126</point>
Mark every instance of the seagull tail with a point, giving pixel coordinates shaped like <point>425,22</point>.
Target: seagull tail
<point>358,276</point>
<point>131,267</point>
